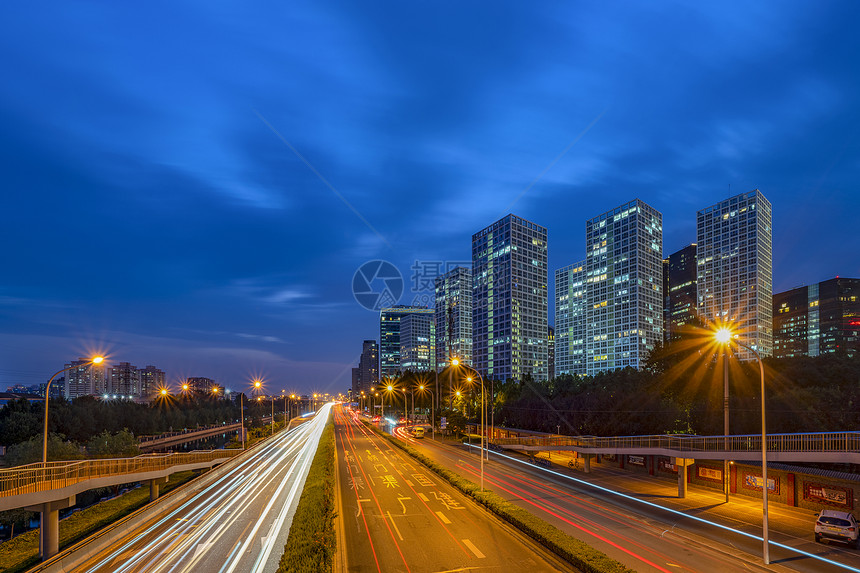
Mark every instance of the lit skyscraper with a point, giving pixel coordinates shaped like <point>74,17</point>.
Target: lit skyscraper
<point>570,320</point>
<point>509,300</point>
<point>735,268</point>
<point>624,286</point>
<point>454,316</point>
<point>819,319</point>
<point>679,290</point>
<point>417,346</point>
<point>368,367</point>
<point>389,336</point>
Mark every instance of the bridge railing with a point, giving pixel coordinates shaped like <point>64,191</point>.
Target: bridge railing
<point>33,478</point>
<point>816,442</point>
<point>186,431</point>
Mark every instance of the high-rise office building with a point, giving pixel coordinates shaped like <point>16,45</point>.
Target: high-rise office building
<point>570,319</point>
<point>85,379</point>
<point>509,300</point>
<point>124,381</point>
<point>734,277</point>
<point>624,286</point>
<point>454,316</point>
<point>819,319</point>
<point>550,352</point>
<point>417,347</point>
<point>679,290</point>
<point>152,380</point>
<point>368,368</point>
<point>389,336</point>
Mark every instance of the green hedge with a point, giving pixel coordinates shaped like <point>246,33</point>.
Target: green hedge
<point>22,552</point>
<point>311,544</point>
<point>576,552</point>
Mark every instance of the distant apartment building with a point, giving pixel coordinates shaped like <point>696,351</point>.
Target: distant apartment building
<point>85,379</point>
<point>454,316</point>
<point>417,342</point>
<point>509,300</point>
<point>389,336</point>
<point>570,319</point>
<point>624,286</point>
<point>734,277</point>
<point>124,381</point>
<point>201,384</point>
<point>679,290</point>
<point>819,319</point>
<point>152,380</point>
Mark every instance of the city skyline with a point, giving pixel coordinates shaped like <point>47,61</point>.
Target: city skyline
<point>201,198</point>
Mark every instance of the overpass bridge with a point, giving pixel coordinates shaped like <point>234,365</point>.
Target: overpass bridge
<point>48,488</point>
<point>170,439</point>
<point>825,447</point>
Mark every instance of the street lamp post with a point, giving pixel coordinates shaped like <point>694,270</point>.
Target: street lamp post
<point>94,360</point>
<point>456,362</point>
<point>725,336</point>
<point>242,417</point>
<point>432,411</point>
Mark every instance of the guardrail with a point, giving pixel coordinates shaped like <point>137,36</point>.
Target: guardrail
<point>826,442</point>
<point>191,432</point>
<point>34,478</point>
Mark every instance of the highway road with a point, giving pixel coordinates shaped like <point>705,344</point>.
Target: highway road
<point>397,516</point>
<point>645,536</point>
<point>237,525</point>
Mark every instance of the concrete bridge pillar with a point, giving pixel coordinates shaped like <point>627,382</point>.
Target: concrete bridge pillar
<point>154,486</point>
<point>586,466</point>
<point>682,464</point>
<point>49,528</point>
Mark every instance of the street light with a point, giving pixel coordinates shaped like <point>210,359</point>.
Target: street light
<point>726,337</point>
<point>432,410</point>
<point>456,362</point>
<point>93,360</point>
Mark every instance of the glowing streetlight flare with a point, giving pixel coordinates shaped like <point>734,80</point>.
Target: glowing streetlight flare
<point>98,359</point>
<point>723,335</point>
<point>455,361</point>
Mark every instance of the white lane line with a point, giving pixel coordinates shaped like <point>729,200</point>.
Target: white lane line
<point>442,517</point>
<point>395,526</point>
<point>202,548</point>
<point>423,497</point>
<point>473,549</point>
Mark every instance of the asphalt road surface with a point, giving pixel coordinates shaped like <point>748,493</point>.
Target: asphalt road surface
<point>237,525</point>
<point>645,536</point>
<point>397,516</point>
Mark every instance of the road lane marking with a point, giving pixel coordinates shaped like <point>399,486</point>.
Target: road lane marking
<point>409,483</point>
<point>202,548</point>
<point>443,518</point>
<point>474,549</point>
<point>423,497</point>
<point>395,526</point>
<point>403,505</point>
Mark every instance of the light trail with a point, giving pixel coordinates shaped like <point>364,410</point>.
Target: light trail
<point>676,512</point>
<point>558,511</point>
<point>269,478</point>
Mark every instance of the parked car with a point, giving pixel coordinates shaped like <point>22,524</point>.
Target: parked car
<point>836,525</point>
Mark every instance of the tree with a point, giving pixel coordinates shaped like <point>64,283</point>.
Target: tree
<point>30,452</point>
<point>122,444</point>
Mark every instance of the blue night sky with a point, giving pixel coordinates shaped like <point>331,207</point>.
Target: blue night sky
<point>156,205</point>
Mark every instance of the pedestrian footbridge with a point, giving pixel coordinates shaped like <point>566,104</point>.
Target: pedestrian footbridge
<point>827,447</point>
<point>49,487</point>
